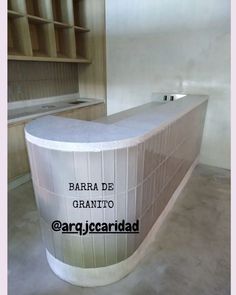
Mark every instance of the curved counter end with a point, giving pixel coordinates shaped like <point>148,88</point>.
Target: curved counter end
<point>128,171</point>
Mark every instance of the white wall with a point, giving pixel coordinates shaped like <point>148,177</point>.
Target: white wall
<point>172,46</point>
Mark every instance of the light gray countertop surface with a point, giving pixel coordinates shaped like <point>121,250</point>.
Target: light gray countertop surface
<point>121,129</point>
<point>47,108</point>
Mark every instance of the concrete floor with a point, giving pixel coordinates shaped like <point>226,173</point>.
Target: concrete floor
<point>190,255</point>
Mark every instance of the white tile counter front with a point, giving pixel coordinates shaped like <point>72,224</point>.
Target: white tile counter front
<point>145,153</point>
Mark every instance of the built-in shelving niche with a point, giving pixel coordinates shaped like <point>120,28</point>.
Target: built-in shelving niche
<point>46,30</point>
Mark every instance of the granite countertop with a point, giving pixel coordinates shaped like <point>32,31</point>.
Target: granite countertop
<point>29,112</point>
<point>122,129</point>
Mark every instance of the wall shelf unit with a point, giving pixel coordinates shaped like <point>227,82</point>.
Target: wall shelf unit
<point>46,30</point>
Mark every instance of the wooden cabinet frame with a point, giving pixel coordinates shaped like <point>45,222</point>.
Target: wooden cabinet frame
<point>46,30</point>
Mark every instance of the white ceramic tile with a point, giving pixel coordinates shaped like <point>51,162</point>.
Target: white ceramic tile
<point>108,162</point>
<point>42,162</point>
<point>99,250</point>
<point>89,251</point>
<point>63,172</point>
<point>81,170</point>
<point>121,170</point>
<point>51,206</point>
<point>73,250</point>
<point>33,168</point>
<point>58,245</point>
<point>95,172</point>
<point>139,200</point>
<point>110,249</point>
<point>132,167</point>
<point>110,239</point>
<point>47,236</point>
<point>121,204</point>
<point>140,164</point>
<point>131,217</point>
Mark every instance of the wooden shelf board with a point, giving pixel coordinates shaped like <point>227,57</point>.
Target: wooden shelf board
<point>81,29</point>
<point>38,53</point>
<point>49,59</point>
<point>13,52</point>
<point>37,19</point>
<point>61,25</point>
<point>61,55</point>
<point>14,14</point>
